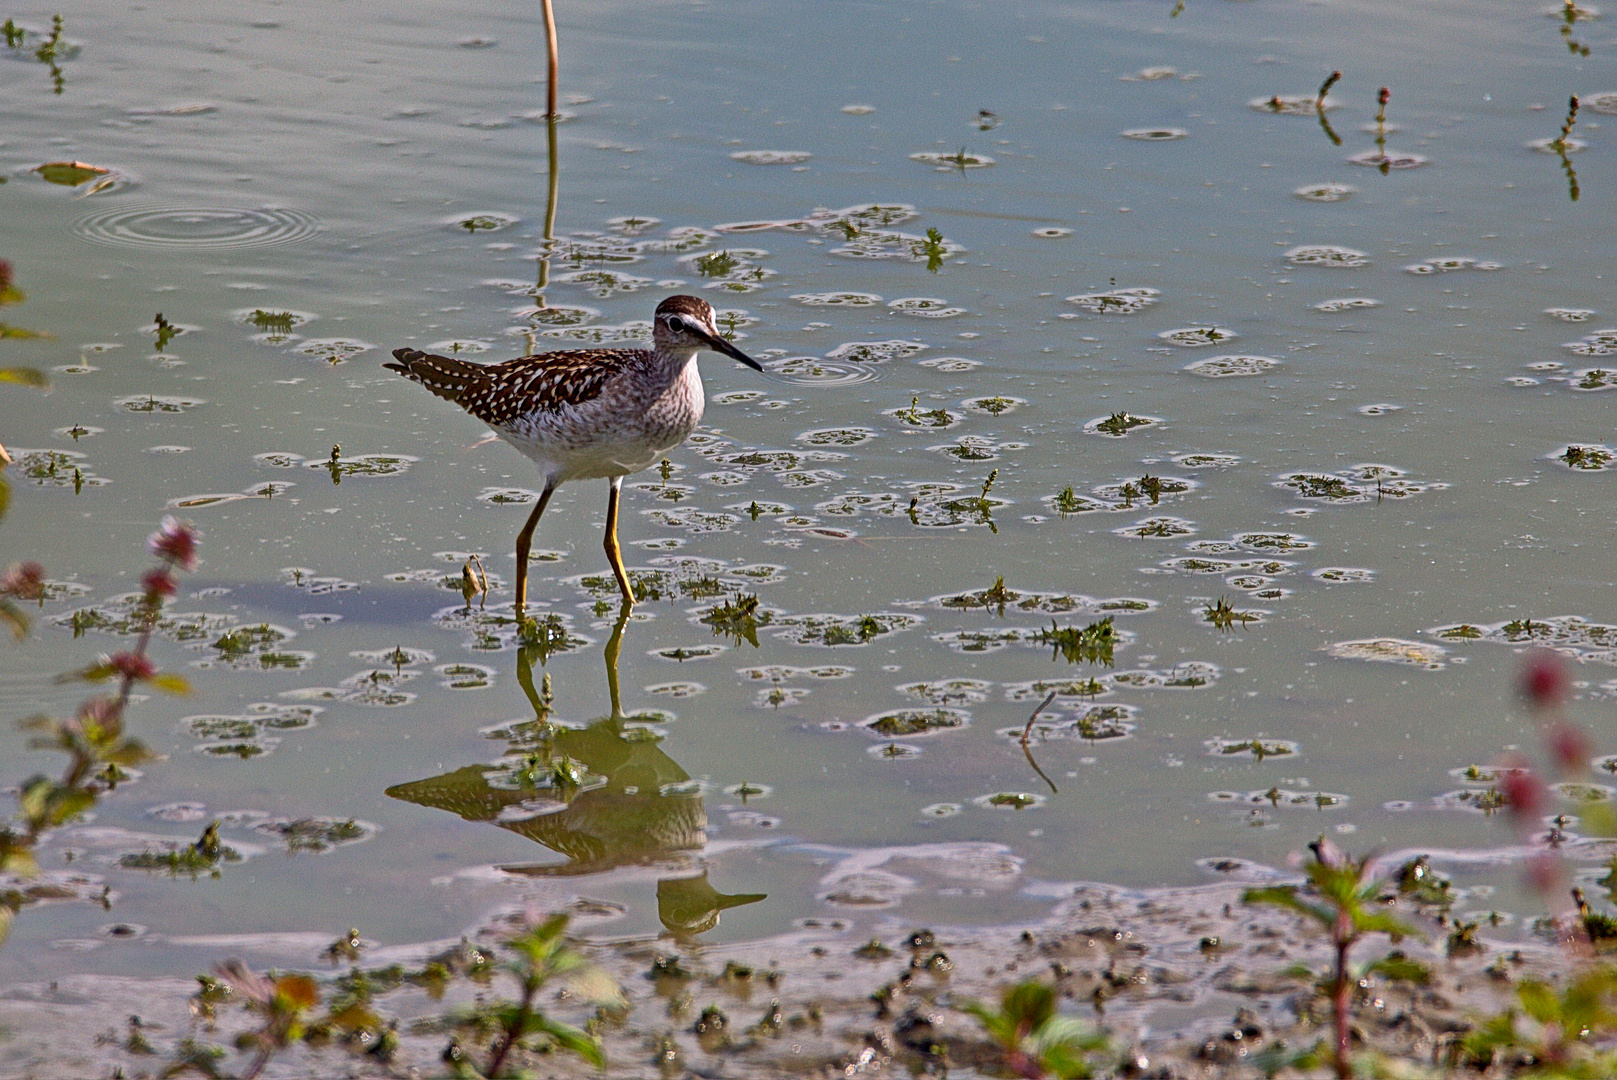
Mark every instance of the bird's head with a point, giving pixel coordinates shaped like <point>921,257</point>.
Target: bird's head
<point>688,322</point>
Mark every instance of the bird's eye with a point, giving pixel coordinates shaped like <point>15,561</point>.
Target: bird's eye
<point>676,324</point>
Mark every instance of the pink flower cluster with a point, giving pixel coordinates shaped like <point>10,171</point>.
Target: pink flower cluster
<point>175,542</point>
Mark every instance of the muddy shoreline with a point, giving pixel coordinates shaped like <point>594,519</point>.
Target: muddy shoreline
<point>1188,982</point>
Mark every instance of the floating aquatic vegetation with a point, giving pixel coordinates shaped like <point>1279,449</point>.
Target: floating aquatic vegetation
<point>1207,461</point>
<point>248,735</point>
<point>1192,337</point>
<point>275,325</point>
<point>1343,574</point>
<point>1590,457</point>
<point>812,371</point>
<point>998,598</point>
<point>1155,134</point>
<point>948,691</point>
<point>464,676</point>
<point>1448,263</point>
<point>917,417</point>
<point>559,316</point>
<point>1092,644</point>
<point>483,222</point>
<point>732,269</point>
<point>1156,528</point>
<point>931,249</point>
<point>902,723</point>
<point>925,307</point>
<point>1052,232</point>
<point>1385,160</point>
<point>1091,723</point>
<point>497,629</point>
<point>875,352</point>
<point>459,347</point>
<point>317,834</point>
<point>1039,689</point>
<point>1119,424</point>
<point>1190,675</point>
<point>840,630</point>
<point>1223,616</point>
<point>55,468</point>
<point>1359,484</point>
<point>333,350</point>
<point>157,403</point>
<point>682,653</point>
<point>1278,797</point>
<point>1390,651</point>
<point>1326,255</point>
<point>1201,564</point>
<point>1347,303</point>
<point>952,364</point>
<point>771,157</point>
<point>997,405</point>
<point>838,299</point>
<point>1227,367</point>
<point>1599,343</point>
<point>1257,748</point>
<point>309,581</point>
<point>960,159</point>
<point>1010,800</point>
<point>1325,192</point>
<point>848,436</point>
<point>779,673</point>
<point>604,283</point>
<point>124,615</point>
<point>255,648</point>
<point>1309,105</point>
<point>1116,301</point>
<point>976,448</point>
<point>1571,635</point>
<point>1571,314</point>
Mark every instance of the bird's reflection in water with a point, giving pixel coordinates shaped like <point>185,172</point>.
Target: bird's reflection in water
<point>604,795</point>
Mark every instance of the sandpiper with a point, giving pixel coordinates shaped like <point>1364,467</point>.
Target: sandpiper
<point>587,413</point>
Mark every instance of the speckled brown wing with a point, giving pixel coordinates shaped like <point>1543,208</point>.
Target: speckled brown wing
<point>498,394</point>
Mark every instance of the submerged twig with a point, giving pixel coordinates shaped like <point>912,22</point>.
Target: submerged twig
<point>1028,731</point>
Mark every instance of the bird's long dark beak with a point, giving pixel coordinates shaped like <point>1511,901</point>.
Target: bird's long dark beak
<point>719,344</point>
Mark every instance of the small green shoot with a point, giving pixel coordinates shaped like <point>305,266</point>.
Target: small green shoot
<point>1344,900</point>
<point>1035,1040</point>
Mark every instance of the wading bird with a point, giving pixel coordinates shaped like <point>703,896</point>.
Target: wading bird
<point>583,414</point>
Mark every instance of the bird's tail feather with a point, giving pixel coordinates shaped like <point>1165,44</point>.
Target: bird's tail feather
<point>443,375</point>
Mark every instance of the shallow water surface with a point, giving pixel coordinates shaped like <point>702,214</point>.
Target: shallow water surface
<point>1064,318</point>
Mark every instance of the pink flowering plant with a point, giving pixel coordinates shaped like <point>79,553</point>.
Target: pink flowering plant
<point>94,740</point>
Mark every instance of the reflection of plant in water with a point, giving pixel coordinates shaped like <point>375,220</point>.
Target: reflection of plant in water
<point>1562,147</point>
<point>10,294</point>
<point>1223,616</point>
<point>737,619</point>
<point>48,51</point>
<point>932,248</point>
<point>1570,14</point>
<point>165,331</point>
<point>717,264</point>
<point>1092,644</point>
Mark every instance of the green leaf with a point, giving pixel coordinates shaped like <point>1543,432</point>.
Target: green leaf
<point>1030,1004</point>
<point>12,616</point>
<point>1539,1001</point>
<point>70,173</point>
<point>171,684</point>
<point>572,1039</point>
<point>25,376</point>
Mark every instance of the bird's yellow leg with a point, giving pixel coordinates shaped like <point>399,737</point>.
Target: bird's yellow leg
<point>613,554</point>
<point>525,543</point>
